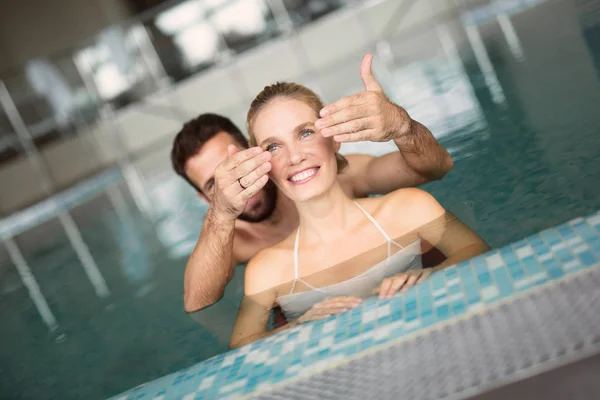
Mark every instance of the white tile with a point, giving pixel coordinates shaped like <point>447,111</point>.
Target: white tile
<point>304,333</point>
<point>595,220</point>
<point>326,342</point>
<point>369,316</point>
<point>233,386</point>
<point>575,221</point>
<point>261,357</point>
<point>494,261</point>
<point>384,310</point>
<point>581,248</point>
<point>287,347</point>
<point>189,396</point>
<point>454,297</point>
<point>558,246</point>
<point>439,292</point>
<point>524,252</point>
<point>476,307</point>
<point>161,397</point>
<point>272,360</point>
<point>206,383</point>
<point>382,333</point>
<point>293,369</point>
<point>574,241</point>
<point>229,360</point>
<point>440,302</point>
<point>489,292</point>
<point>545,257</point>
<point>412,325</point>
<point>453,282</point>
<point>329,326</point>
<point>571,264</point>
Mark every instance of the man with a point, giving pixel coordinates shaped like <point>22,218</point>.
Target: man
<point>247,212</point>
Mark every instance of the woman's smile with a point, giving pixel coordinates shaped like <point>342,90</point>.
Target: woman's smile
<point>303,176</point>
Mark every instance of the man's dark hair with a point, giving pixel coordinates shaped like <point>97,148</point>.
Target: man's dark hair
<point>195,134</point>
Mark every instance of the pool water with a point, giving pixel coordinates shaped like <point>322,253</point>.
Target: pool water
<point>523,132</point>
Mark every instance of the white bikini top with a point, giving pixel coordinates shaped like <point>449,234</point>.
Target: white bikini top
<point>293,305</point>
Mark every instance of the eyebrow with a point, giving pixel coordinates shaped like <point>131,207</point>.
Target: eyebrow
<point>296,130</point>
<point>209,182</point>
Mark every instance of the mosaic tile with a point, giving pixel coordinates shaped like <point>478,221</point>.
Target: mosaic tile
<point>470,286</point>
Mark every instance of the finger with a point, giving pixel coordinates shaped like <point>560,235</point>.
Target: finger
<point>367,76</point>
<point>248,180</point>
<point>385,285</point>
<point>353,126</point>
<point>423,276</point>
<point>343,115</point>
<point>245,168</point>
<point>254,188</point>
<point>231,150</point>
<point>239,157</point>
<point>410,282</point>
<point>396,285</point>
<point>345,102</point>
<point>334,302</point>
<point>356,136</point>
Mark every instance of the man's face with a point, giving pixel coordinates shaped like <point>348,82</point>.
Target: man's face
<point>201,170</point>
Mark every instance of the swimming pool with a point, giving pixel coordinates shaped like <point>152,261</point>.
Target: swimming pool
<point>523,135</point>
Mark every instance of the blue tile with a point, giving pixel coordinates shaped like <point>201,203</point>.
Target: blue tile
<point>438,281</point>
<point>509,255</point>
<point>442,312</point>
<point>484,278</point>
<point>503,282</point>
<point>553,269</point>
<point>587,258</point>
<point>458,308</point>
<point>551,237</point>
<point>585,231</point>
<point>566,232</point>
<point>564,255</point>
<point>531,265</point>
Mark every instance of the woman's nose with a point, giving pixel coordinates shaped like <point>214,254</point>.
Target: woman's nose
<point>296,155</point>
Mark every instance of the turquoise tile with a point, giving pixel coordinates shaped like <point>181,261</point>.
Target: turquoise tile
<point>509,255</point>
<point>587,258</point>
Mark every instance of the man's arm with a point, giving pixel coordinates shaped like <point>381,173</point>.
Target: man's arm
<point>210,265</point>
<point>371,116</point>
<point>419,159</point>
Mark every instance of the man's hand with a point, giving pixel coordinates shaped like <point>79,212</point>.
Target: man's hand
<point>368,115</point>
<point>239,177</point>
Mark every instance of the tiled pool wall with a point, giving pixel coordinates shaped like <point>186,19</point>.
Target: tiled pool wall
<point>469,288</point>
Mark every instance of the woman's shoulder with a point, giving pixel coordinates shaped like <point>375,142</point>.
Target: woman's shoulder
<point>412,203</point>
<point>264,270</point>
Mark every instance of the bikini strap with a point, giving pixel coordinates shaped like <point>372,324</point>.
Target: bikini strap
<point>295,260</point>
<point>374,222</point>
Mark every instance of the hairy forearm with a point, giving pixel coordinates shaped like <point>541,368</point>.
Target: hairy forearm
<point>257,336</point>
<point>422,152</point>
<point>209,266</point>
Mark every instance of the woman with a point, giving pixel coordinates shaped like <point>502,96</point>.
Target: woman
<point>343,250</point>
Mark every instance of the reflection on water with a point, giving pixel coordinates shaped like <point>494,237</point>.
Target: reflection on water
<point>521,165</point>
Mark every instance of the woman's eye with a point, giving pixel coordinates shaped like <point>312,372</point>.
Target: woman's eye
<point>306,133</point>
<point>272,147</point>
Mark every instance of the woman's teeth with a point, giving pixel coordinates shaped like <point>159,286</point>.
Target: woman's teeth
<point>303,175</point>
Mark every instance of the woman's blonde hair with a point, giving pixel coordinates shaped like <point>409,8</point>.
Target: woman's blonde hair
<point>291,91</point>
